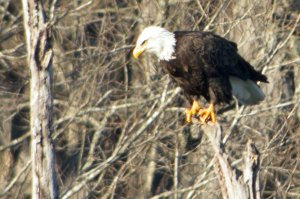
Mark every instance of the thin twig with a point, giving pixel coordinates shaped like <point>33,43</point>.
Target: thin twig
<point>14,181</point>
<point>16,141</point>
<point>194,187</point>
<point>90,175</point>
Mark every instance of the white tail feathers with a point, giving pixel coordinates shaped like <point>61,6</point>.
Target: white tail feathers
<point>247,92</point>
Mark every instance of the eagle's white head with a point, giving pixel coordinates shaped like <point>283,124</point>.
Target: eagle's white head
<point>156,40</point>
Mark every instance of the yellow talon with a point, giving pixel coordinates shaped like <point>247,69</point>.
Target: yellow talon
<point>208,114</point>
<point>205,115</point>
<point>192,111</point>
<point>188,115</point>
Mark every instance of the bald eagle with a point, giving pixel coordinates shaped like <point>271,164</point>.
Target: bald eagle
<point>202,64</point>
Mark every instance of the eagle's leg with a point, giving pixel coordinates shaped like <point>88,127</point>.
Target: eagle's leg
<point>192,111</point>
<point>208,114</point>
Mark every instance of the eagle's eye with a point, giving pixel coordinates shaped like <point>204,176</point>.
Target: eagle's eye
<point>144,42</point>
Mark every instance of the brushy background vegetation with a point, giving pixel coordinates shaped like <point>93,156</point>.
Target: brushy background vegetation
<point>109,140</point>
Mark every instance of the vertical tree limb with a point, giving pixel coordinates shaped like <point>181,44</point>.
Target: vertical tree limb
<point>230,178</point>
<point>39,55</point>
<point>251,171</point>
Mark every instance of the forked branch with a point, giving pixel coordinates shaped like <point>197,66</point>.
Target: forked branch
<point>232,184</point>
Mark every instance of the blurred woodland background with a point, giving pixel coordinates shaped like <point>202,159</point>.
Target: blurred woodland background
<point>119,129</point>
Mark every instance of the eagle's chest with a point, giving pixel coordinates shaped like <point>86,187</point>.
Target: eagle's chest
<point>192,81</point>
<point>175,69</point>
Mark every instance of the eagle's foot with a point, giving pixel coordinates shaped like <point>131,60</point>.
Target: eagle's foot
<point>208,114</point>
<point>192,111</point>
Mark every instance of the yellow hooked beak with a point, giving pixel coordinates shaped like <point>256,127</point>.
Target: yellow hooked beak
<point>138,50</point>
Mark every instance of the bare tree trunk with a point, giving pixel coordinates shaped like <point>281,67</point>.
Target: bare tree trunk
<point>235,184</point>
<point>40,55</point>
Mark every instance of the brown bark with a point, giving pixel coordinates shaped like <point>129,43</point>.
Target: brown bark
<point>39,55</point>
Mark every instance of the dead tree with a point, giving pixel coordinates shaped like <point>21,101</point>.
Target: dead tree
<point>39,55</point>
<point>234,184</point>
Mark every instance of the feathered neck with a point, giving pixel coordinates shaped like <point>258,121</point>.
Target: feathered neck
<point>167,43</point>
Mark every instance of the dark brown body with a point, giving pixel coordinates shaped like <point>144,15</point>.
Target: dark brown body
<point>203,64</point>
